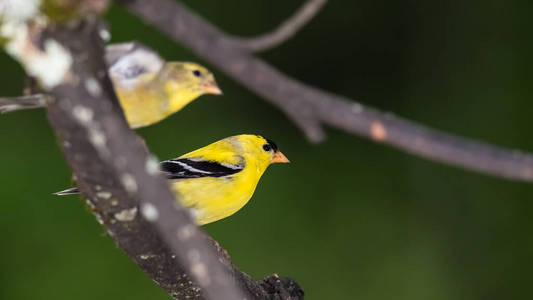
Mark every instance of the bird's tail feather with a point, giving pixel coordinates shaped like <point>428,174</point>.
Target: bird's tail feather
<point>71,191</point>
<point>23,102</point>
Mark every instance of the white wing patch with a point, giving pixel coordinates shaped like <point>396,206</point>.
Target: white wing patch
<point>192,169</point>
<point>130,60</point>
<point>182,168</point>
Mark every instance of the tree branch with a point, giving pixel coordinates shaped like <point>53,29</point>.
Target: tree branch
<point>285,30</point>
<point>87,117</point>
<point>310,107</point>
<point>118,177</point>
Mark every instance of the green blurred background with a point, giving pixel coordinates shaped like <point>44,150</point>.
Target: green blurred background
<point>348,219</point>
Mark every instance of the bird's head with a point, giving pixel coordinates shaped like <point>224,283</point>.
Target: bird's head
<point>264,151</point>
<point>186,81</point>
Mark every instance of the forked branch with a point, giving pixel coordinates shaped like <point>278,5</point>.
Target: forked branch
<point>284,31</point>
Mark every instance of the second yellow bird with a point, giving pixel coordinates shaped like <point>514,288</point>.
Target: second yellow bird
<point>148,88</point>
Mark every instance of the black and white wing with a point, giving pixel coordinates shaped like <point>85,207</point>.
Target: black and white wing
<point>126,61</point>
<point>181,168</point>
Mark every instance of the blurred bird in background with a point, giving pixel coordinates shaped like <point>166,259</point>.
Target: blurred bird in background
<point>149,89</point>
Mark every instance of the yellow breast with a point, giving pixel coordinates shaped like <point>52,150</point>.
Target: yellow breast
<point>143,107</point>
<point>215,198</point>
<point>148,103</point>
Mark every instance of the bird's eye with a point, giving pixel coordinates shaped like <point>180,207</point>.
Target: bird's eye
<point>267,147</point>
<point>197,73</point>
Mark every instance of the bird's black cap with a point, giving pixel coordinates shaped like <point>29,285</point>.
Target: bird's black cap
<point>272,145</point>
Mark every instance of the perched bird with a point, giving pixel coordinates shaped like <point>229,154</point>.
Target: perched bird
<point>217,180</point>
<point>148,88</point>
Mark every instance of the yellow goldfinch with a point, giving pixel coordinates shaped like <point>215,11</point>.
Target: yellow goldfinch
<point>217,180</point>
<point>148,88</point>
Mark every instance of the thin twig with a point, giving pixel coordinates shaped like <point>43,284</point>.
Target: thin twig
<point>310,107</point>
<point>9,104</point>
<point>284,31</point>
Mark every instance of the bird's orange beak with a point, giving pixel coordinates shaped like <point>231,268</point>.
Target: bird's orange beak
<point>212,88</point>
<point>280,158</point>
